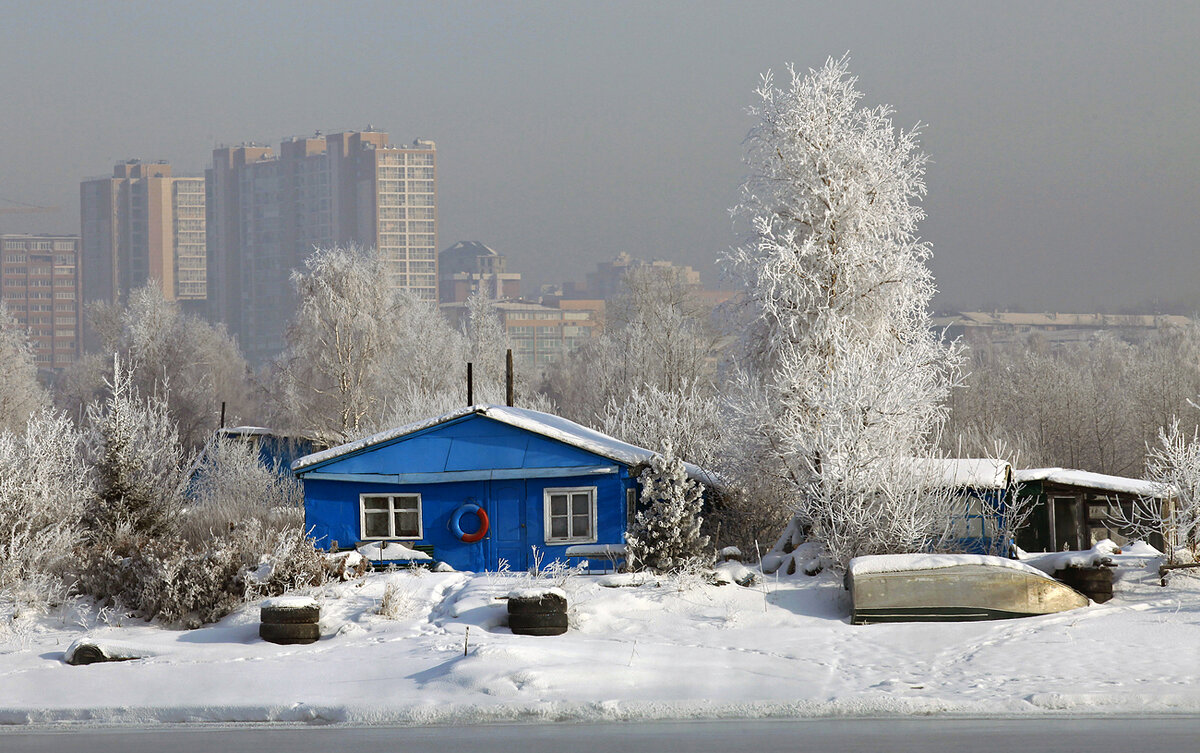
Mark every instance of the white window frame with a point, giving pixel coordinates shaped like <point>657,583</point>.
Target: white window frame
<point>591,492</point>
<point>362,517</point>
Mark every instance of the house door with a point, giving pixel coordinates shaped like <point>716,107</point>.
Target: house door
<point>1067,522</point>
<point>506,510</point>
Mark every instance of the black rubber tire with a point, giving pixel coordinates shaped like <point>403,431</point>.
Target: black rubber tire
<point>519,622</point>
<point>540,631</point>
<point>87,654</point>
<point>291,615</point>
<point>546,604</point>
<point>285,633</point>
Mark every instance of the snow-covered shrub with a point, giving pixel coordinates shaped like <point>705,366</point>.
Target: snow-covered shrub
<point>139,463</point>
<point>181,583</point>
<point>44,484</point>
<point>665,535</point>
<point>231,485</point>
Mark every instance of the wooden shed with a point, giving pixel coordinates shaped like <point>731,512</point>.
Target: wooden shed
<point>1071,508</point>
<point>477,488</point>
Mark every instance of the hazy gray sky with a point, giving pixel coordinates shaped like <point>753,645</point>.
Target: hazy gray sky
<point>1064,136</point>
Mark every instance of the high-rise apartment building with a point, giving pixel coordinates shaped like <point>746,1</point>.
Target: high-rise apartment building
<point>143,224</point>
<point>39,283</point>
<point>268,211</point>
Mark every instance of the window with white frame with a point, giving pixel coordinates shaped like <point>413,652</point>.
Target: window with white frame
<point>390,516</point>
<point>571,515</point>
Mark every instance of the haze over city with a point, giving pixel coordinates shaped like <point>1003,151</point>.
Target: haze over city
<point>1063,138</point>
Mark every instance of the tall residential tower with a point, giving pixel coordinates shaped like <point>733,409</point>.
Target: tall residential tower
<point>143,224</point>
<point>267,212</point>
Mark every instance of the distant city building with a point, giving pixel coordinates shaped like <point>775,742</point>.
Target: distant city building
<point>39,281</point>
<point>1011,326</point>
<point>607,280</point>
<point>467,265</point>
<point>142,225</point>
<point>268,211</point>
<point>542,335</point>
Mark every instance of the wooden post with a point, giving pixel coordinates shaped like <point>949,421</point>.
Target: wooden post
<point>470,387</point>
<point>508,378</point>
<point>222,414</point>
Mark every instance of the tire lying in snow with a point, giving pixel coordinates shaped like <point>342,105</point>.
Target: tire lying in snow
<point>86,653</point>
<point>284,615</point>
<point>537,611</point>
<point>289,632</point>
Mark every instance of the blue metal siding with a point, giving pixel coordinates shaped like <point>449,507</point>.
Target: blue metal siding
<point>514,503</point>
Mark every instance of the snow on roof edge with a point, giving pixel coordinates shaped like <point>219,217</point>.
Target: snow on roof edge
<point>1089,479</point>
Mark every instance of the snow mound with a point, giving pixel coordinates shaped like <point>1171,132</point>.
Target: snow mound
<point>890,563</point>
<point>735,572</point>
<point>536,592</point>
<point>379,550</point>
<point>289,602</point>
<point>1099,555</point>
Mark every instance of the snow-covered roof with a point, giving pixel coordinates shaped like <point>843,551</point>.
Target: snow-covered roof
<point>545,424</point>
<point>246,430</point>
<point>1101,481</point>
<point>972,473</point>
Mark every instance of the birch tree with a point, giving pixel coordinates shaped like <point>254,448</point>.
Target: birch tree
<point>840,376</point>
<point>356,347</point>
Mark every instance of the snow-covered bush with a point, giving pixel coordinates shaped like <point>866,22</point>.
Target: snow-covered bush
<point>181,583</point>
<point>44,485</point>
<point>231,485</point>
<point>665,535</point>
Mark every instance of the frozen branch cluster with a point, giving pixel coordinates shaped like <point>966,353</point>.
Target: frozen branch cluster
<point>840,377</point>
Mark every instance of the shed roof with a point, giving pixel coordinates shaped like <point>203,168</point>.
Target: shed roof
<point>544,424</point>
<point>1089,480</point>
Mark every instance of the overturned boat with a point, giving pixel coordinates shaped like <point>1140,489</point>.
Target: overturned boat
<point>951,588</point>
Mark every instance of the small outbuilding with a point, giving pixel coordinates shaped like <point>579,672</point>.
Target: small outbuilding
<point>478,488</point>
<point>1073,509</point>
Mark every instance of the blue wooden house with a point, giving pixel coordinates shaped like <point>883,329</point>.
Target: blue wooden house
<point>476,487</point>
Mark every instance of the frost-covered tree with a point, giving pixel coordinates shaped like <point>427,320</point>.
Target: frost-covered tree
<point>688,419</point>
<point>657,334</point>
<point>139,463</point>
<point>21,394</point>
<point>194,364</point>
<point>665,535</point>
<point>44,485</point>
<point>360,350</point>
<point>841,377</point>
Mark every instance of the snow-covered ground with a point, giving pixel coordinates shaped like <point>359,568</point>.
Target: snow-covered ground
<point>671,648</point>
